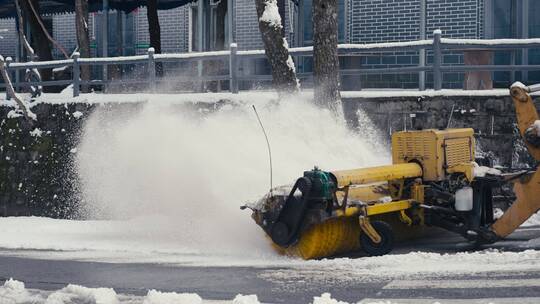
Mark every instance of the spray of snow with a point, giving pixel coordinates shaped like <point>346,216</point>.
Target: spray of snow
<point>183,176</point>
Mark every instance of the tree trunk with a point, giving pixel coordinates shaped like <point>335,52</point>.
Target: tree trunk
<point>83,40</point>
<point>325,54</point>
<point>39,41</point>
<point>276,47</point>
<point>154,31</point>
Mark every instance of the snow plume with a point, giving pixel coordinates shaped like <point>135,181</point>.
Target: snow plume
<point>183,174</point>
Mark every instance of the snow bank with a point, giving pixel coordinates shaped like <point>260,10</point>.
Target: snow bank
<point>157,297</point>
<point>326,298</point>
<point>80,294</point>
<point>250,299</point>
<point>14,292</point>
<point>405,266</point>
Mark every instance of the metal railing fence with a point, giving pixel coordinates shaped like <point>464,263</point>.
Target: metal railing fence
<point>234,57</point>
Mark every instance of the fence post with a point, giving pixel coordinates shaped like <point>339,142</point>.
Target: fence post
<point>233,69</point>
<point>437,60</point>
<point>76,74</point>
<point>152,69</point>
<point>6,67</point>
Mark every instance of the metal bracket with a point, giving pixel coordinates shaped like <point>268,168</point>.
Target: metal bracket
<point>368,229</point>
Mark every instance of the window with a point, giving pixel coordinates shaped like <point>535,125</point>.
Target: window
<point>504,25</point>
<point>308,21</point>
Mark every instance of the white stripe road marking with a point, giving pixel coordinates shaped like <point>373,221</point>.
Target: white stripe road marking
<point>462,284</point>
<point>453,301</point>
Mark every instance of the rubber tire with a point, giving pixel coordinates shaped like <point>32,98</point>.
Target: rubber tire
<point>387,240</point>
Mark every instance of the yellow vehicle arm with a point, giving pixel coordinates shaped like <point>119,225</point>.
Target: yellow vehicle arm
<point>527,188</point>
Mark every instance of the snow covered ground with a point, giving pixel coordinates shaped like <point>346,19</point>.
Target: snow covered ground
<point>15,292</point>
<point>131,241</point>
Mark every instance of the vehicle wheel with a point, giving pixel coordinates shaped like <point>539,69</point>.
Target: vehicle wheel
<point>387,240</point>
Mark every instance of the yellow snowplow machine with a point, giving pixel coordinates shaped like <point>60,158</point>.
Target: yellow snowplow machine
<point>431,182</point>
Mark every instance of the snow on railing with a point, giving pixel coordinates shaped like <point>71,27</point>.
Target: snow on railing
<point>490,42</point>
<point>234,56</point>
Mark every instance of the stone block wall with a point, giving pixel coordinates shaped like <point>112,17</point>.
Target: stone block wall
<point>492,117</point>
<point>36,161</point>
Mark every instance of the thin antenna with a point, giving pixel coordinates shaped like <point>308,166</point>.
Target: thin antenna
<point>268,146</point>
<point>450,118</point>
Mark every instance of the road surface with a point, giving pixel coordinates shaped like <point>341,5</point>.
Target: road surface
<point>221,283</point>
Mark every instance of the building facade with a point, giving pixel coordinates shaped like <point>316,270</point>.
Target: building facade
<point>360,21</point>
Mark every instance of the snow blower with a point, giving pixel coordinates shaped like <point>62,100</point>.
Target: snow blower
<point>433,181</point>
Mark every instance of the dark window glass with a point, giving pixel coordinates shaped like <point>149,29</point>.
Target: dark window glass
<point>534,32</point>
<point>534,21</point>
<point>501,19</point>
<point>308,21</point>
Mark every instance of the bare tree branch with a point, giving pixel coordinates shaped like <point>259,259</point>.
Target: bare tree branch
<point>44,29</point>
<point>11,91</point>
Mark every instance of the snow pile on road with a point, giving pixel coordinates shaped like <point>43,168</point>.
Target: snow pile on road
<point>14,292</point>
<point>158,297</point>
<point>242,299</point>
<point>80,294</point>
<point>326,298</point>
<point>405,266</point>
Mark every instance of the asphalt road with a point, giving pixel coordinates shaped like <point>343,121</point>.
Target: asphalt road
<point>225,282</point>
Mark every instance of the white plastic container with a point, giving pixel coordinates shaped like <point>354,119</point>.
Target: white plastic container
<point>464,199</point>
